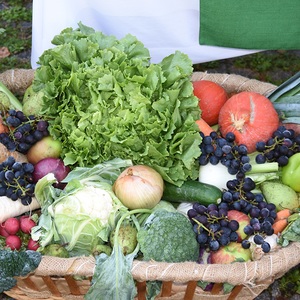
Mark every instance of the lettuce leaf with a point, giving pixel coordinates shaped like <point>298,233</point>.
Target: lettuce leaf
<point>104,99</point>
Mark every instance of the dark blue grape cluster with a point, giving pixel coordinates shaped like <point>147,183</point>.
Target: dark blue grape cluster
<point>24,131</point>
<point>240,193</point>
<point>240,196</point>
<point>16,180</point>
<point>212,227</point>
<point>216,149</point>
<point>282,145</point>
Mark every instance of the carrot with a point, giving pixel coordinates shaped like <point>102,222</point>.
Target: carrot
<point>4,154</point>
<point>280,225</point>
<point>283,214</point>
<point>3,127</point>
<point>204,127</point>
<point>281,221</point>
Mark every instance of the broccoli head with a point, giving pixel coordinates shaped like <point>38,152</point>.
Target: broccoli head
<point>168,236</point>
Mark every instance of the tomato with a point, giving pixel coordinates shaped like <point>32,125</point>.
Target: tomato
<point>250,116</point>
<point>211,98</point>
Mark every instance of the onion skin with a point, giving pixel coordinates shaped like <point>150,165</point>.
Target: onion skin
<point>139,186</point>
<point>50,165</point>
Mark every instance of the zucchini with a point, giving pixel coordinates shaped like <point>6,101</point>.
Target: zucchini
<point>192,191</point>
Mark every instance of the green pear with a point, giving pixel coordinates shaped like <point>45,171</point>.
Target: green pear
<point>127,238</point>
<point>32,102</point>
<point>280,194</point>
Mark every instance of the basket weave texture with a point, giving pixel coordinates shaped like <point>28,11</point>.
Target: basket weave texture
<point>54,278</point>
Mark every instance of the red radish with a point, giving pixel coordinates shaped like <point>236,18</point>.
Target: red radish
<point>13,242</point>
<point>32,245</point>
<point>26,223</point>
<point>250,116</point>
<point>3,232</point>
<point>12,225</point>
<point>50,165</point>
<point>211,98</point>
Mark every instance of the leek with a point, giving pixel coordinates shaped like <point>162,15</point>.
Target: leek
<point>286,100</point>
<point>8,99</point>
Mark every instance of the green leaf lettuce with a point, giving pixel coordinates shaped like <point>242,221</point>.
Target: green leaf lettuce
<point>104,99</point>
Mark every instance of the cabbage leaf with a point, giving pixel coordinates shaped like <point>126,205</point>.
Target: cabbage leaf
<point>112,277</point>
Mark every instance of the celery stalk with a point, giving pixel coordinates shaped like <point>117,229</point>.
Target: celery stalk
<point>262,172</point>
<point>268,167</point>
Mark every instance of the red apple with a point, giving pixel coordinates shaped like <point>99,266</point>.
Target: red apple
<point>233,252</point>
<point>242,219</point>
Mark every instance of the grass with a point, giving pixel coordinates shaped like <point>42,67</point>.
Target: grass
<point>269,66</point>
<point>15,33</point>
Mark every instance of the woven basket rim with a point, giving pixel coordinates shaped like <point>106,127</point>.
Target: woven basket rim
<point>17,80</point>
<point>84,266</point>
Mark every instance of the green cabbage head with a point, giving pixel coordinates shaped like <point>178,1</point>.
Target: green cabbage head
<point>84,219</point>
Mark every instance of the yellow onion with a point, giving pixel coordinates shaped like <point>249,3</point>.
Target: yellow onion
<point>139,186</point>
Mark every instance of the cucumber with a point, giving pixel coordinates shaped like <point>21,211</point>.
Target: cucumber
<point>192,191</point>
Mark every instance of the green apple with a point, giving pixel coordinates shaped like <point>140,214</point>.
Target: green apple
<point>46,147</point>
<point>233,252</point>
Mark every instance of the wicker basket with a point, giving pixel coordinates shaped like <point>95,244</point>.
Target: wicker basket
<point>55,277</point>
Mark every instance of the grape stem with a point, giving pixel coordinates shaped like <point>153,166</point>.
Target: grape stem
<point>210,232</point>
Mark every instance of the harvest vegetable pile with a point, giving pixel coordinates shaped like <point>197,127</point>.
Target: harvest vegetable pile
<point>111,156</point>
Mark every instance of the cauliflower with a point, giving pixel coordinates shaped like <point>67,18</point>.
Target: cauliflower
<point>169,237</point>
<point>94,202</point>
